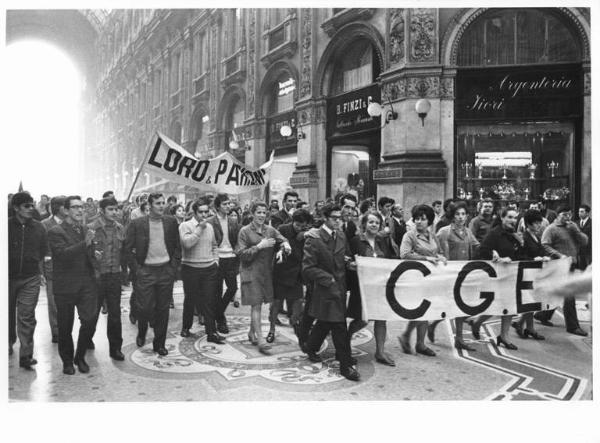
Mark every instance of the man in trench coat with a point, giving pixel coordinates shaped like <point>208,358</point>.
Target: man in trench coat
<point>324,268</point>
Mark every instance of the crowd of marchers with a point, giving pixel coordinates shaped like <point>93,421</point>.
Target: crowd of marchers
<point>298,259</point>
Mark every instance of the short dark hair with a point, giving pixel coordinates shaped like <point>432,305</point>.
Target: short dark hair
<point>563,208</point>
<point>329,208</point>
<point>300,203</point>
<point>302,216</point>
<point>108,194</point>
<point>505,211</point>
<point>437,202</point>
<point>364,206</point>
<point>155,196</point>
<point>202,201</point>
<point>288,194</point>
<point>68,200</point>
<point>220,198</point>
<point>363,221</point>
<point>171,198</point>
<point>585,207</point>
<point>384,201</point>
<point>143,206</point>
<point>21,198</point>
<point>531,216</point>
<point>455,207</point>
<point>56,203</point>
<point>108,201</point>
<point>348,197</point>
<point>173,210</point>
<point>423,210</point>
<point>257,204</point>
<point>447,204</point>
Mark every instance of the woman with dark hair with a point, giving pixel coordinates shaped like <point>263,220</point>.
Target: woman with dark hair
<point>502,245</point>
<point>535,251</point>
<point>457,243</point>
<point>371,241</point>
<point>420,244</point>
<point>178,211</point>
<point>257,243</point>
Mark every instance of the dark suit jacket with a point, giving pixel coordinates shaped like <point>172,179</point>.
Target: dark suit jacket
<point>586,251</point>
<point>48,223</point>
<point>72,261</point>
<point>349,230</point>
<point>533,247</point>
<point>289,272</point>
<point>281,218</point>
<point>324,267</point>
<point>138,239</point>
<point>233,228</point>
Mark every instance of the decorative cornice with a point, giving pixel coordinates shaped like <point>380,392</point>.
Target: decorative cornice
<point>332,25</point>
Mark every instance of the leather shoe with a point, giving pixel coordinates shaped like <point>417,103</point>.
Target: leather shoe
<point>222,328</point>
<point>27,363</point>
<point>578,331</point>
<point>161,350</point>
<point>185,332</point>
<point>519,329</point>
<point>68,369</point>
<point>426,351</point>
<point>214,338</point>
<point>350,373</point>
<point>140,341</point>
<point>533,334</point>
<point>314,357</point>
<point>82,365</point>
<point>459,344</point>
<point>117,355</point>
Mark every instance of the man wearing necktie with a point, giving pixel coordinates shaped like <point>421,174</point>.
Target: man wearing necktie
<point>74,284</point>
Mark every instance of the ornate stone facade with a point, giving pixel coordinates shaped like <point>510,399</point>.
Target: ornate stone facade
<point>397,36</point>
<point>306,79</point>
<point>423,25</point>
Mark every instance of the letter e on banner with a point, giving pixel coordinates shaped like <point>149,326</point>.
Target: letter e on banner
<point>527,284</point>
<point>409,314</point>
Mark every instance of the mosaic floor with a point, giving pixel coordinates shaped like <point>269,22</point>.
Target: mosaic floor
<point>559,368</point>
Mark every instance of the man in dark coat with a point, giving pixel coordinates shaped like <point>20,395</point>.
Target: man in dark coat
<point>284,216</point>
<point>585,224</point>
<point>154,241</point>
<point>27,245</point>
<point>324,268</point>
<point>74,284</point>
<point>287,272</point>
<point>226,232</point>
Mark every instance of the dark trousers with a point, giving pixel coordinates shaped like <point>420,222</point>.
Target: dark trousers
<point>109,290</point>
<point>339,334</point>
<point>569,311</point>
<point>293,299</point>
<point>132,276</point>
<point>200,292</point>
<point>23,294</point>
<point>306,320</point>
<point>153,290</point>
<point>227,273</point>
<point>86,302</point>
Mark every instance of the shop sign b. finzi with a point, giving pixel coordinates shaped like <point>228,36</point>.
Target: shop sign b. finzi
<point>274,124</point>
<point>519,92</point>
<point>347,113</point>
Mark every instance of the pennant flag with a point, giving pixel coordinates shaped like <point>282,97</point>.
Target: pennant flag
<point>224,173</point>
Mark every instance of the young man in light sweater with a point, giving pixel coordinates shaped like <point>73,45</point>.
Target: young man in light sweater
<point>199,271</point>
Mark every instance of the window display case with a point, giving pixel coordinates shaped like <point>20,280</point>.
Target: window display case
<point>522,163</point>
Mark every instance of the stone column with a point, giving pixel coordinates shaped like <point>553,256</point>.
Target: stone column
<point>585,181</point>
<point>413,168</point>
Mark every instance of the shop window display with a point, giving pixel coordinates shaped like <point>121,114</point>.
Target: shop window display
<point>519,163</point>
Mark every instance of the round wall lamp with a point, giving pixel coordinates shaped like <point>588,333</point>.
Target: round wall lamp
<point>423,106</point>
<point>285,131</point>
<point>376,110</point>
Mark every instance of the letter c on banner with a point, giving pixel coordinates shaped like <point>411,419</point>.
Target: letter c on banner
<point>409,314</point>
<point>485,295</point>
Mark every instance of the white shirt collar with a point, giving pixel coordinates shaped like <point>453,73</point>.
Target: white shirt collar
<point>326,228</point>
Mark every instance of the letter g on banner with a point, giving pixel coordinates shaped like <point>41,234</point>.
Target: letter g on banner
<point>487,296</point>
<point>409,314</point>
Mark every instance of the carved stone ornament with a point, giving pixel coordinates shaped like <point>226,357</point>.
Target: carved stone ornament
<point>305,83</point>
<point>396,36</point>
<point>587,83</point>
<point>447,88</point>
<point>422,35</point>
<point>423,87</point>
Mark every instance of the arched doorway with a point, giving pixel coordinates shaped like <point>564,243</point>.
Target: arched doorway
<point>233,118</point>
<point>353,137</point>
<point>519,108</point>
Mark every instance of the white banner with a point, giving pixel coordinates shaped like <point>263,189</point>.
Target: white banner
<point>223,173</point>
<point>419,290</point>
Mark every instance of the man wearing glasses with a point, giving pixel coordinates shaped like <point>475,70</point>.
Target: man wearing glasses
<point>154,242</point>
<point>74,284</point>
<point>27,246</point>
